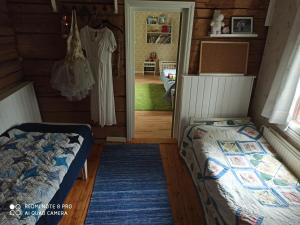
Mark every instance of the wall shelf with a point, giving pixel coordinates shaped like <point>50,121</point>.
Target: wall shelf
<point>156,35</point>
<point>233,35</point>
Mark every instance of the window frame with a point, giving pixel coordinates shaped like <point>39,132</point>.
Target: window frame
<point>293,128</point>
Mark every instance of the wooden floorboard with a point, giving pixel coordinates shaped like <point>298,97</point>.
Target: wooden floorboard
<point>147,79</point>
<point>184,201</point>
<point>80,194</point>
<point>152,124</point>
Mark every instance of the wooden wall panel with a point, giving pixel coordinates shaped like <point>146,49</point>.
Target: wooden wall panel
<point>40,44</point>
<point>10,66</point>
<point>203,14</point>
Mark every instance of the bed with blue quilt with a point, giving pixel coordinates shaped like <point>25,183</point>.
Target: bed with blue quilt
<point>39,164</point>
<point>240,180</point>
<point>168,77</point>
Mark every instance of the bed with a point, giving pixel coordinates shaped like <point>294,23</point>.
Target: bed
<point>39,161</point>
<point>168,77</point>
<point>239,178</point>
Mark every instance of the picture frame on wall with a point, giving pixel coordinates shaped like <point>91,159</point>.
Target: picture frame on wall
<point>242,25</point>
<point>152,20</point>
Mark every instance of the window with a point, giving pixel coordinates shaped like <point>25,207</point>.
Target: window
<point>293,129</point>
<point>296,117</point>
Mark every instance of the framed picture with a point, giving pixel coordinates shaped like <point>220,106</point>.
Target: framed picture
<point>152,20</point>
<point>242,25</point>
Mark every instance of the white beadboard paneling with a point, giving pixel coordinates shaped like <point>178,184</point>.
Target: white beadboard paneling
<point>208,96</point>
<point>193,98</point>
<point>18,105</point>
<point>200,96</point>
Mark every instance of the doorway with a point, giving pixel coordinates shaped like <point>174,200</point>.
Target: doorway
<point>155,51</point>
<point>186,12</point>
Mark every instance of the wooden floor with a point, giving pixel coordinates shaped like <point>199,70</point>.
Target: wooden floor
<point>152,124</point>
<point>147,79</point>
<point>185,204</point>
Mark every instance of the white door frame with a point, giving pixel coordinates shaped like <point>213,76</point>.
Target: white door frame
<point>187,18</point>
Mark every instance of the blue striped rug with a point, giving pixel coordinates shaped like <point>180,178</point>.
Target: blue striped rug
<point>130,188</point>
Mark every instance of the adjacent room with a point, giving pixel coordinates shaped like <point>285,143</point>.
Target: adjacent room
<point>139,112</point>
<point>155,50</point>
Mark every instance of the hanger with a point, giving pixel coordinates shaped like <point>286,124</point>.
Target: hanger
<point>99,22</point>
<point>107,23</point>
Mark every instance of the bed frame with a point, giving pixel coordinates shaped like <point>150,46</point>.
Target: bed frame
<point>19,105</point>
<point>166,65</point>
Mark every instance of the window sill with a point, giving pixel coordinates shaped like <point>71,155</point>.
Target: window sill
<point>295,127</point>
<point>291,133</point>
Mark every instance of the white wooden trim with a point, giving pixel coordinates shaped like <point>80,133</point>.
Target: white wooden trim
<point>233,35</point>
<point>84,171</point>
<point>166,65</point>
<point>195,119</point>
<point>183,62</point>
<point>187,9</point>
<point>18,105</point>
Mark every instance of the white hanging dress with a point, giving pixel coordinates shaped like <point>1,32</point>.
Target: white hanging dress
<point>73,76</point>
<point>99,45</point>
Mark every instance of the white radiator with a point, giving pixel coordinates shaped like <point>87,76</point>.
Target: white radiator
<point>289,154</point>
<point>208,96</point>
<point>18,105</point>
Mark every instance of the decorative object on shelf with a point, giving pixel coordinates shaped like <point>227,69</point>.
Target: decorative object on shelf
<point>242,25</point>
<point>158,30</point>
<point>165,29</point>
<point>153,57</point>
<point>152,20</point>
<point>226,30</point>
<point>162,19</point>
<point>217,22</point>
<point>158,33</point>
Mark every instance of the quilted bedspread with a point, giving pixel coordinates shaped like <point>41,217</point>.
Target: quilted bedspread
<point>32,166</point>
<point>238,178</point>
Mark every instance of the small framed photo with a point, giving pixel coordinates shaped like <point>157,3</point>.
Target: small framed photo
<point>152,20</point>
<point>242,25</point>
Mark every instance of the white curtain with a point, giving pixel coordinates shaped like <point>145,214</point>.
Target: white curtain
<point>279,104</point>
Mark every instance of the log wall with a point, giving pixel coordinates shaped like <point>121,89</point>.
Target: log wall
<point>40,44</point>
<point>10,65</point>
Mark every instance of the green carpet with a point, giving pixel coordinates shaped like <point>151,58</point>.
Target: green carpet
<point>150,97</point>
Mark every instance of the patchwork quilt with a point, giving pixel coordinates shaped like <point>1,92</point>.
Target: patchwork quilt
<point>238,178</point>
<point>32,167</point>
